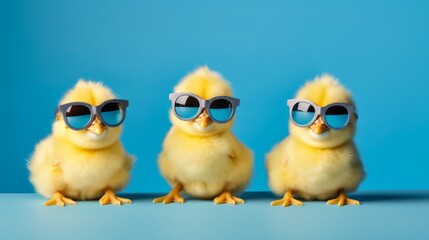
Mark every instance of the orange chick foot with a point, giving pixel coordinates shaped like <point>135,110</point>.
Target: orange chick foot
<point>110,197</point>
<point>287,200</point>
<point>59,200</point>
<point>172,196</point>
<point>342,200</point>
<point>226,197</point>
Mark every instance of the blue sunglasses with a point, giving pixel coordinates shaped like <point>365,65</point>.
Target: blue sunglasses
<point>80,115</point>
<point>337,116</point>
<point>188,106</point>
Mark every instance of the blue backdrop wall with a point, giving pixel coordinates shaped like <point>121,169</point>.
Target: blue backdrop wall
<point>266,49</point>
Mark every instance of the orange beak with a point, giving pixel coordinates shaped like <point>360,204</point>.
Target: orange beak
<point>203,119</point>
<point>319,126</point>
<point>97,126</point>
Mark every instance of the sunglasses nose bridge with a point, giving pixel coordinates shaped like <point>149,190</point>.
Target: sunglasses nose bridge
<point>205,108</point>
<point>94,114</point>
<point>204,104</point>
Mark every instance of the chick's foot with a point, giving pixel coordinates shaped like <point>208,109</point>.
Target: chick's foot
<point>227,197</point>
<point>287,200</point>
<point>172,196</point>
<point>110,197</point>
<point>342,200</point>
<point>59,200</point>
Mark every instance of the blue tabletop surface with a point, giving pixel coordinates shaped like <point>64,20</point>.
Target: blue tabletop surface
<point>383,214</point>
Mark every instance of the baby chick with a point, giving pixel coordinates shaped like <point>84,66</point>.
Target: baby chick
<point>316,161</point>
<point>201,156</point>
<point>83,164</point>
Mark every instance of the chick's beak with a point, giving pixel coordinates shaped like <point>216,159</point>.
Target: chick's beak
<point>319,126</point>
<point>97,126</point>
<point>203,119</point>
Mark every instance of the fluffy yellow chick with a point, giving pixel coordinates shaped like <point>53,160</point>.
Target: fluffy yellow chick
<point>73,165</point>
<point>202,157</point>
<point>316,162</point>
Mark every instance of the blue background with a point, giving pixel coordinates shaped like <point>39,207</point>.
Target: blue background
<point>267,50</point>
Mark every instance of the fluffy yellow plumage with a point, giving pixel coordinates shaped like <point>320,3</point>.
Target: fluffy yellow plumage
<point>200,156</point>
<point>316,162</point>
<point>77,165</point>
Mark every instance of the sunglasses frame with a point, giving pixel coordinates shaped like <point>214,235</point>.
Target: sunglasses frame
<point>204,104</point>
<point>321,111</point>
<point>95,111</point>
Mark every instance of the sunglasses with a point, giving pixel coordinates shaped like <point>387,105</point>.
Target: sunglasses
<point>188,106</point>
<point>80,115</point>
<point>336,115</point>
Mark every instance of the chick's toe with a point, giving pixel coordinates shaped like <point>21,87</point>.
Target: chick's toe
<point>342,200</point>
<point>227,197</point>
<point>172,196</point>
<point>59,200</point>
<point>110,197</point>
<point>287,200</point>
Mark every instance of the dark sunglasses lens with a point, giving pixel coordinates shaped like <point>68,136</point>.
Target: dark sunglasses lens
<point>78,116</point>
<point>186,107</point>
<point>336,116</point>
<point>112,114</point>
<point>303,113</point>
<point>221,110</point>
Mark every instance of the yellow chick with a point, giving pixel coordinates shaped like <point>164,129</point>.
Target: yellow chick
<point>83,158</point>
<point>200,155</point>
<point>319,159</point>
